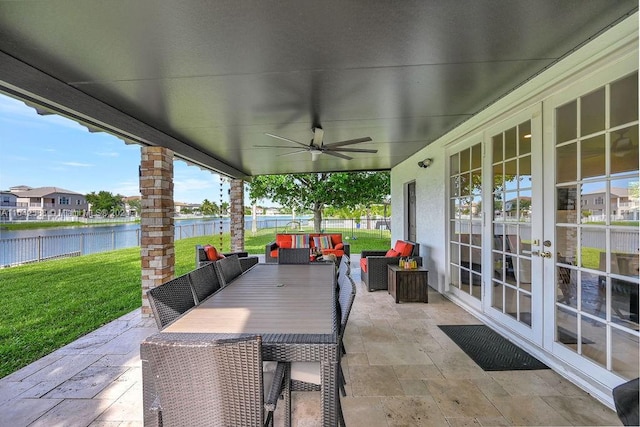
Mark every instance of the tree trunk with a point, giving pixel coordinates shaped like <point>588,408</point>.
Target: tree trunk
<point>317,218</point>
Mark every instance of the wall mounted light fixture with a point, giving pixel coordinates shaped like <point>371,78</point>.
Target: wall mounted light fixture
<point>425,163</point>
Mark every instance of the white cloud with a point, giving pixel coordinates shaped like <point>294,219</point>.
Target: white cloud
<point>77,164</point>
<point>126,188</point>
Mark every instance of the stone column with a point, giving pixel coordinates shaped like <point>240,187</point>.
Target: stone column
<point>156,220</point>
<point>237,215</point>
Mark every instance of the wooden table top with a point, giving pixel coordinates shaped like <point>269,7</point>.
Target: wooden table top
<point>268,299</point>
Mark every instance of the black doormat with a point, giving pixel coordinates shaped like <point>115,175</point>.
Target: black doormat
<point>490,350</point>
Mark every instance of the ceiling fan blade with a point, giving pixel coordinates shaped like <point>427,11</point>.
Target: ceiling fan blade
<point>334,154</point>
<point>293,152</point>
<point>352,150</point>
<point>348,142</point>
<point>286,139</point>
<point>273,146</point>
<point>318,135</point>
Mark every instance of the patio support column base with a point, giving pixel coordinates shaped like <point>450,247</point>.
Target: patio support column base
<point>157,250</point>
<point>237,215</point>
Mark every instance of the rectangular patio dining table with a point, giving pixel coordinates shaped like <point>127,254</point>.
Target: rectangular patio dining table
<point>293,308</point>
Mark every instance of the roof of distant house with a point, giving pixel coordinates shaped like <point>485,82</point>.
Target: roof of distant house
<point>24,191</point>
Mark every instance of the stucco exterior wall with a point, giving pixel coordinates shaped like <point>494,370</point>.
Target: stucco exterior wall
<point>431,209</point>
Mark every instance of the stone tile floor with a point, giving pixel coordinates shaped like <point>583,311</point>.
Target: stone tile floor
<point>401,370</point>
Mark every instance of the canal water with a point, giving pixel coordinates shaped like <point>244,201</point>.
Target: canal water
<point>33,245</point>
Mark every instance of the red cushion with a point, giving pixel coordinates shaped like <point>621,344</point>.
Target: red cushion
<point>408,250</point>
<point>283,240</point>
<point>392,253</point>
<point>212,253</point>
<point>339,246</point>
<point>399,246</point>
<point>336,252</point>
<point>403,248</point>
<point>363,264</point>
<point>285,244</point>
<point>274,253</point>
<point>336,239</point>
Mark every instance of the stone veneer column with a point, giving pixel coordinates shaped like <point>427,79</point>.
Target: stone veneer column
<point>156,220</point>
<point>237,215</point>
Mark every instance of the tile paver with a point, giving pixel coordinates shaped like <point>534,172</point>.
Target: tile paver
<point>401,370</point>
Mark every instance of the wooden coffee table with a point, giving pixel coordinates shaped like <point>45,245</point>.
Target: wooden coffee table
<point>409,285</point>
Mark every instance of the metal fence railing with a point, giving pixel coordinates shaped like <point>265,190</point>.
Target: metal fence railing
<point>51,244</point>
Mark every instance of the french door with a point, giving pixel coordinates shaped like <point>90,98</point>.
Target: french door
<point>513,230</point>
<point>592,276</point>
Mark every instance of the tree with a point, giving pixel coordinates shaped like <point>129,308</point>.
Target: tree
<point>224,208</point>
<point>105,203</point>
<point>208,208</point>
<point>315,191</point>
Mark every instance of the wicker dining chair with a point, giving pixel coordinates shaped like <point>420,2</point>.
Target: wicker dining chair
<point>344,269</point>
<point>198,379</point>
<point>228,269</point>
<point>305,376</point>
<point>293,256</point>
<point>204,281</point>
<point>169,300</point>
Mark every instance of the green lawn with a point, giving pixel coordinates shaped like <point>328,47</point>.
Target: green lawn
<point>26,225</point>
<point>49,304</point>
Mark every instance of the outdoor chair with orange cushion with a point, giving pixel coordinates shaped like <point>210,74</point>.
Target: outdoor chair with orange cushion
<point>208,253</point>
<point>373,264</point>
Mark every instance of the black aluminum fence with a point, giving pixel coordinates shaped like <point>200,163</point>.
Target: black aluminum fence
<point>54,244</point>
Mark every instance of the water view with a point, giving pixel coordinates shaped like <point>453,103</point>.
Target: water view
<point>23,246</point>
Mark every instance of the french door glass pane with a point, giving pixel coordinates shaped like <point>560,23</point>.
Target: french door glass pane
<point>624,349</point>
<point>624,100</point>
<point>624,150</point>
<point>566,168</point>
<point>566,122</point>
<point>592,157</point>
<point>592,112</point>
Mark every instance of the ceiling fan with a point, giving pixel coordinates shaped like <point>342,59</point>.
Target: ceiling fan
<point>317,146</point>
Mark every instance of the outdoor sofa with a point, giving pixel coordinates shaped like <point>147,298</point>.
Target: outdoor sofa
<point>336,245</point>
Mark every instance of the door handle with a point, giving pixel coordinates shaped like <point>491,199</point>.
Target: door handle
<point>543,254</point>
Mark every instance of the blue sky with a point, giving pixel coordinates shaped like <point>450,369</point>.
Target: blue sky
<point>52,151</point>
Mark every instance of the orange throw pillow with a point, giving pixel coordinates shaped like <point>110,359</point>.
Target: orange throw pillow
<point>391,253</point>
<point>212,253</point>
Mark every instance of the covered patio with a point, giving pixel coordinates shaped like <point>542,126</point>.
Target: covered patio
<point>497,120</point>
<point>401,369</point>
